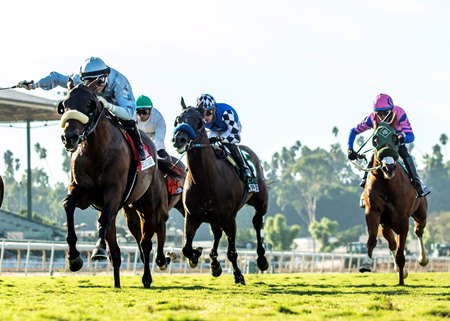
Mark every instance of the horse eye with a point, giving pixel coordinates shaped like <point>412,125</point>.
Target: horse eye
<point>375,141</point>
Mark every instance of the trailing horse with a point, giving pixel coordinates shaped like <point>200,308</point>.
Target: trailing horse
<point>103,172</point>
<point>214,193</point>
<point>390,199</point>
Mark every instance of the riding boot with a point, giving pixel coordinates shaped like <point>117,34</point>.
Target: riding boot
<point>133,131</point>
<point>246,174</point>
<point>420,187</point>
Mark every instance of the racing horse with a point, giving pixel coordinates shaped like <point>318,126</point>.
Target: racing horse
<point>214,193</point>
<point>390,199</point>
<point>2,190</point>
<point>102,165</point>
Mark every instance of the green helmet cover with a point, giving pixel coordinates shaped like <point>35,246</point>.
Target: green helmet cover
<point>143,102</point>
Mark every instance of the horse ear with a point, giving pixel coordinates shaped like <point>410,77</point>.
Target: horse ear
<point>70,84</point>
<point>61,108</point>
<point>183,104</point>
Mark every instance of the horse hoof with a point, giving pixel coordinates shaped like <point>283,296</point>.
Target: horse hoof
<point>146,285</point>
<point>75,264</point>
<point>365,268</point>
<point>171,255</point>
<point>163,267</point>
<point>262,263</point>
<point>423,261</point>
<point>193,263</point>
<point>99,254</point>
<point>239,279</point>
<point>217,271</point>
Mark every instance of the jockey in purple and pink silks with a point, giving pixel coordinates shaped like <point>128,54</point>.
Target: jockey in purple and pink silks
<point>383,110</point>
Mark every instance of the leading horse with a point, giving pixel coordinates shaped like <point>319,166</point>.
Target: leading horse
<point>214,193</point>
<point>102,168</point>
<point>390,199</point>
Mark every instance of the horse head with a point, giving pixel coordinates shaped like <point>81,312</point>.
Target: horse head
<point>189,128</point>
<point>385,141</point>
<point>80,112</point>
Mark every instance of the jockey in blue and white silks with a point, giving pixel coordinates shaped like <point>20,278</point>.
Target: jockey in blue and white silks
<point>222,122</point>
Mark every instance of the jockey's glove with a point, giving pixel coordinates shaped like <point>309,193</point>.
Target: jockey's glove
<point>25,84</point>
<point>106,104</point>
<point>400,139</point>
<point>351,154</point>
<point>214,140</point>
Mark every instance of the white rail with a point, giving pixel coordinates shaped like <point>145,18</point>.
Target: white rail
<point>50,258</point>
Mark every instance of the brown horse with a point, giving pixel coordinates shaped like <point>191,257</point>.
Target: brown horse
<point>214,193</point>
<point>2,190</point>
<point>390,199</point>
<point>102,166</point>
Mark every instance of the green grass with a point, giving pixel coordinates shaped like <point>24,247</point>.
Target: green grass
<point>202,297</point>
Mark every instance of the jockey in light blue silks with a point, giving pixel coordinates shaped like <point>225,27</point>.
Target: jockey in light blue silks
<point>112,89</point>
<point>385,110</point>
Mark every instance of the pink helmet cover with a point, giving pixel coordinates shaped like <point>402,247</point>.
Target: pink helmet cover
<point>383,102</point>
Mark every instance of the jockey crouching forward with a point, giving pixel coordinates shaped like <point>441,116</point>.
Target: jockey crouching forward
<point>385,110</point>
<point>112,89</point>
<point>151,121</point>
<point>223,124</point>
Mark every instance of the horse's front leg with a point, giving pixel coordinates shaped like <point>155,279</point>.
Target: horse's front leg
<point>372,222</point>
<point>191,224</point>
<point>75,261</point>
<point>216,269</point>
<point>400,255</point>
<point>232,255</point>
<point>258,224</point>
<point>114,252</point>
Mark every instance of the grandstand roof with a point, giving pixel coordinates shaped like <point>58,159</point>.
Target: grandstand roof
<point>17,106</point>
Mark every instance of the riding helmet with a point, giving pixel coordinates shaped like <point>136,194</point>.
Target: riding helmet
<point>143,102</point>
<point>383,102</point>
<point>206,101</point>
<point>94,67</point>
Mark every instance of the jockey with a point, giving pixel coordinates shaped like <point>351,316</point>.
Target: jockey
<point>385,110</point>
<point>112,89</point>
<point>150,120</point>
<point>224,125</point>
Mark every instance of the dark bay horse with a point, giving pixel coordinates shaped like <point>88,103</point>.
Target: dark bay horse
<point>390,199</point>
<point>2,190</point>
<point>101,168</point>
<point>214,193</point>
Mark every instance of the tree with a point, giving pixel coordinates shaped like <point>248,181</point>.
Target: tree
<point>321,232</point>
<point>278,233</point>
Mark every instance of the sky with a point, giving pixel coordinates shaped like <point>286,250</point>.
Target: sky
<point>293,70</point>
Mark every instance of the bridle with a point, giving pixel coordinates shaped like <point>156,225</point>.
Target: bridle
<point>193,134</point>
<point>89,120</point>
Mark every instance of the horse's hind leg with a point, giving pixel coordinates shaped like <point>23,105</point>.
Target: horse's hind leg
<point>420,221</point>
<point>134,225</point>
<point>216,269</point>
<point>162,261</point>
<point>114,252</point>
<point>232,255</point>
<point>258,224</point>
<point>190,228</point>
